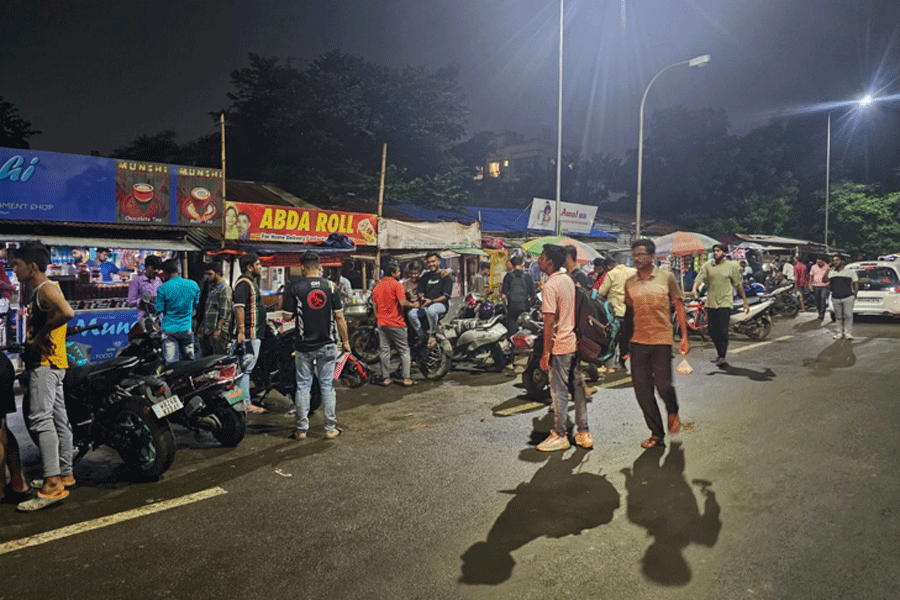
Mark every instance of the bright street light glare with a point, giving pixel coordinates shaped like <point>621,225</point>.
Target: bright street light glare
<point>866,100</point>
<point>699,61</point>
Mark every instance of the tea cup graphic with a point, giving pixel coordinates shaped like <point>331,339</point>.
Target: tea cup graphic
<point>142,192</point>
<point>201,195</point>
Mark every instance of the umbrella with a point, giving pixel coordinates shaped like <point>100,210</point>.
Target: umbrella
<point>585,253</point>
<point>683,243</point>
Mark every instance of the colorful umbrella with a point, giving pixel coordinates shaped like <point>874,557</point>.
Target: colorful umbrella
<point>585,253</point>
<point>683,243</point>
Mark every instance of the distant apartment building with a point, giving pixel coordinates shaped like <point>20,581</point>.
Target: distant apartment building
<point>515,156</point>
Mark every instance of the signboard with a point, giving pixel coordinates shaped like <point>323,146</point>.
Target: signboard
<point>576,218</point>
<point>401,235</point>
<point>48,186</point>
<point>105,343</point>
<point>264,222</point>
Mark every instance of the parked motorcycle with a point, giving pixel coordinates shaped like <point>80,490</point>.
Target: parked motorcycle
<point>785,302</point>
<point>530,338</point>
<point>755,324</point>
<point>208,386</point>
<point>109,404</point>
<point>480,340</point>
<point>433,361</point>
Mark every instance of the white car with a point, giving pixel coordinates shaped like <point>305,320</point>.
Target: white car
<point>879,288</point>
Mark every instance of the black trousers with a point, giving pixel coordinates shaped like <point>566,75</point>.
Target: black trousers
<point>821,299</point>
<point>651,366</point>
<point>718,328</point>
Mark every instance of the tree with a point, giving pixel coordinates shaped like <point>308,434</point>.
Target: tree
<point>862,218</point>
<point>14,130</point>
<point>160,147</point>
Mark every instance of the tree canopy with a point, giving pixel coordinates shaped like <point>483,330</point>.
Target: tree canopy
<point>14,130</point>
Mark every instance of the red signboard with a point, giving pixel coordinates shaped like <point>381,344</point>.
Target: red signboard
<point>264,222</point>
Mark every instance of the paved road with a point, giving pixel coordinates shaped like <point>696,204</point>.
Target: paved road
<point>784,483</point>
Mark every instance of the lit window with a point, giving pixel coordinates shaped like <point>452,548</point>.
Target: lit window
<point>571,166</point>
<point>479,173</point>
<point>506,163</point>
<point>494,168</point>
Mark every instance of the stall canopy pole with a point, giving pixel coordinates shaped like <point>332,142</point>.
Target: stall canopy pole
<point>222,128</point>
<point>380,205</point>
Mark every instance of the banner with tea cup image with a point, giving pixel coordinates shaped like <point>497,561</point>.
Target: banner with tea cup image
<point>142,192</point>
<point>199,196</point>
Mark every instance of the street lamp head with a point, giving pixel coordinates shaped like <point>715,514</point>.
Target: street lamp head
<point>699,61</point>
<point>866,100</point>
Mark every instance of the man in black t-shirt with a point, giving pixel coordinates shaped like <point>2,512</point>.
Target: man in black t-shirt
<point>249,317</point>
<point>434,292</point>
<point>316,306</point>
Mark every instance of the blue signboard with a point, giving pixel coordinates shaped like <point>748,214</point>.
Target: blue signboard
<point>48,186</point>
<point>107,342</point>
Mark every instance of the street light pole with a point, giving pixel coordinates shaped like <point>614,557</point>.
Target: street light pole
<point>559,121</point>
<point>694,62</point>
<point>827,178</point>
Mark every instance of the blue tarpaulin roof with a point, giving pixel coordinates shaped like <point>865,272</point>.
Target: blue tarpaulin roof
<point>501,220</point>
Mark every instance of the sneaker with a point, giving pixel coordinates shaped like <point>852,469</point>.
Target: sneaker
<point>297,435</point>
<point>554,442</point>
<point>330,435</point>
<point>847,336</point>
<point>837,336</point>
<point>584,440</point>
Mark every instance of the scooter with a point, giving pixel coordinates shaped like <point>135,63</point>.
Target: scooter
<point>755,324</point>
<point>481,340</point>
<point>785,302</point>
<point>208,386</point>
<point>109,404</point>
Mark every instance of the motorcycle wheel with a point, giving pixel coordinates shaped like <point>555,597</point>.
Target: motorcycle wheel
<point>791,308</point>
<point>434,363</point>
<point>146,445</point>
<point>760,331</point>
<point>364,344</point>
<point>234,426</point>
<point>536,381</point>
<point>499,358</point>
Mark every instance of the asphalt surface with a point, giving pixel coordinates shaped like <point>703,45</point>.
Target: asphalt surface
<point>784,483</point>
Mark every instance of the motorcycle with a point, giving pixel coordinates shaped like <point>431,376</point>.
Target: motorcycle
<point>208,386</point>
<point>530,338</point>
<point>433,361</point>
<point>108,404</point>
<point>481,339</point>
<point>785,302</point>
<point>755,324</point>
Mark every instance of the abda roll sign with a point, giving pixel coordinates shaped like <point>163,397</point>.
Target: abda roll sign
<point>575,218</point>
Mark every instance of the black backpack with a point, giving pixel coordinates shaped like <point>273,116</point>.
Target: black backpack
<point>518,290</point>
<point>596,326</point>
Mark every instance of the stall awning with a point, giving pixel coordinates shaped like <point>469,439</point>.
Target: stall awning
<point>97,242</point>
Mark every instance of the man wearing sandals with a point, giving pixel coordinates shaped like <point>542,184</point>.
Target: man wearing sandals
<point>46,363</point>
<point>389,300</point>
<point>647,296</point>
<point>560,345</point>
<point>316,307</point>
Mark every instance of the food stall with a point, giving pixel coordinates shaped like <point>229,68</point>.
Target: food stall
<point>76,204</point>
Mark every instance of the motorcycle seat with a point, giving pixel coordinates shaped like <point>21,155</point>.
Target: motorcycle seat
<point>186,367</point>
<point>114,364</point>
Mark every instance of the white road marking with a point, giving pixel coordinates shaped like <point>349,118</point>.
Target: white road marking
<point>759,344</point>
<point>56,534</point>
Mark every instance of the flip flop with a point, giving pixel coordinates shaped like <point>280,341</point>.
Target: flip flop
<point>40,501</point>
<point>410,384</point>
<point>386,382</point>
<point>652,442</point>
<point>674,423</point>
<point>256,410</point>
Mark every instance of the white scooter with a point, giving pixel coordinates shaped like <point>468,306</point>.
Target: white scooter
<point>755,324</point>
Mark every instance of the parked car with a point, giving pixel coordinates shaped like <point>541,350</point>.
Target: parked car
<point>879,288</point>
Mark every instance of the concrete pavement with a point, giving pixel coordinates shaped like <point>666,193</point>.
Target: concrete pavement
<point>784,483</point>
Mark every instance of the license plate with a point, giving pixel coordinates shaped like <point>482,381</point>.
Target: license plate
<point>869,300</point>
<point>236,395</point>
<point>167,406</point>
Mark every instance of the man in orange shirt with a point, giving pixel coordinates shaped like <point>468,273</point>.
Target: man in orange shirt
<point>389,300</point>
<point>560,344</point>
<point>647,296</point>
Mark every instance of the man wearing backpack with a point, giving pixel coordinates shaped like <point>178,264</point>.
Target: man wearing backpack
<point>559,357</point>
<point>517,293</point>
<point>574,271</point>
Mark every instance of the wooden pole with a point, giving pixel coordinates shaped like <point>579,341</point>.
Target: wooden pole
<point>380,206</point>
<point>222,129</point>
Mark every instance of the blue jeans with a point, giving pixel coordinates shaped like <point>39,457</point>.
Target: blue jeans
<point>432,312</point>
<point>323,361</point>
<point>245,378</point>
<point>178,345</point>
<point>565,372</point>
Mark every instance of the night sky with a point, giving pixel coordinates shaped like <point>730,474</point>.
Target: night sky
<point>93,75</point>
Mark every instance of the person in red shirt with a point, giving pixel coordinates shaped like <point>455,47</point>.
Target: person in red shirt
<point>389,300</point>
<point>800,279</point>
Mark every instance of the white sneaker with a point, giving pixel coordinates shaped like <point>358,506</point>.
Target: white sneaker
<point>837,336</point>
<point>847,336</point>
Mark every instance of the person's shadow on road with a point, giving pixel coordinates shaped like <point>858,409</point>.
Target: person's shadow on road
<point>558,501</point>
<point>660,500</point>
<point>838,355</point>
<point>765,375</point>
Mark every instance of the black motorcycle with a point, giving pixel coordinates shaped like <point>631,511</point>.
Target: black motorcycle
<point>208,386</point>
<point>433,361</point>
<point>108,404</point>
